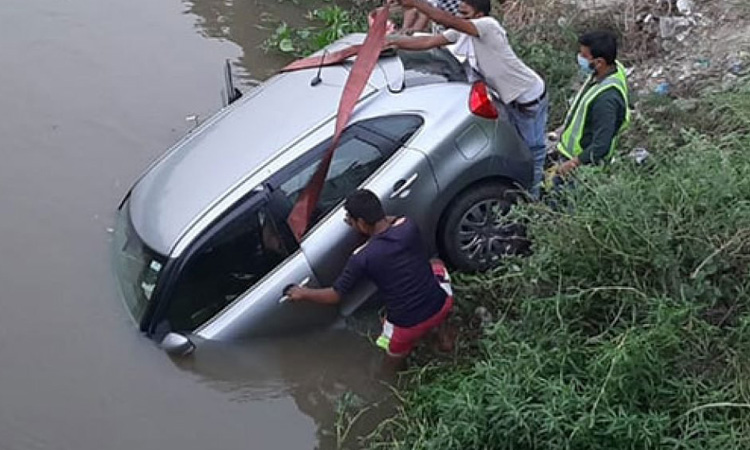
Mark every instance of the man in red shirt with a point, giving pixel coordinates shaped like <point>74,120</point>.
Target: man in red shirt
<point>416,291</point>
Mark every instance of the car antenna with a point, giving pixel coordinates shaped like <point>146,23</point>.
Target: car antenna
<point>317,80</point>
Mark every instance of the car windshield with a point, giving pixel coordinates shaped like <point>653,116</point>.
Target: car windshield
<point>137,267</point>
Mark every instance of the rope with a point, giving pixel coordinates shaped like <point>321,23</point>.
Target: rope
<point>367,57</point>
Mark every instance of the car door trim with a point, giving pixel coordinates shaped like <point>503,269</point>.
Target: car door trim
<point>405,187</point>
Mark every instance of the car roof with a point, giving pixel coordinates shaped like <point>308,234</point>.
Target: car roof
<point>236,143</point>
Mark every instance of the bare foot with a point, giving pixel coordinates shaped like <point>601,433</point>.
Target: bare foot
<point>447,334</point>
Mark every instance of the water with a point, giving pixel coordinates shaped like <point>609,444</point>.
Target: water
<point>92,91</point>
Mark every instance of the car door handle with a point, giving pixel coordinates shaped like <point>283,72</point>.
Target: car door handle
<point>402,186</point>
<point>302,283</point>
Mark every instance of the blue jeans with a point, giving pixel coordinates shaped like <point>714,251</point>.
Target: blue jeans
<point>531,125</point>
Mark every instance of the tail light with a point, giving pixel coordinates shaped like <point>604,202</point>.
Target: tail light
<point>480,102</point>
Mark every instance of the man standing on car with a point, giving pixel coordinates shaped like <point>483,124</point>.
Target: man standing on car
<point>416,291</point>
<point>416,21</point>
<point>484,42</point>
<point>600,111</point>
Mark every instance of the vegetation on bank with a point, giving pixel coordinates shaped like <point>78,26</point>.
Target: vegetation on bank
<point>629,325</point>
<point>327,24</point>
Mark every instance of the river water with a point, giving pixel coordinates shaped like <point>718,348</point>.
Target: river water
<point>92,91</point>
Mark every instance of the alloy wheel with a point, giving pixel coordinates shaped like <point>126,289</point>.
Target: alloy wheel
<point>484,233</point>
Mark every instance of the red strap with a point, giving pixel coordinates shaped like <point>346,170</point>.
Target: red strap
<point>367,56</point>
<point>323,60</point>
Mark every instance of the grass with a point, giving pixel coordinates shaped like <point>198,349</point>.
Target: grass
<point>629,326</point>
<point>327,24</point>
<point>555,64</point>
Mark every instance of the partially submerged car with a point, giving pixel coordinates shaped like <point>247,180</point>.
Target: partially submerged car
<point>202,245</point>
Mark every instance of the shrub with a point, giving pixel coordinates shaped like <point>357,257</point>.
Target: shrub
<point>628,327</point>
<point>328,24</point>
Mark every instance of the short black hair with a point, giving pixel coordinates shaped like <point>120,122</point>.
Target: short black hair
<point>482,6</point>
<point>364,204</point>
<point>602,44</point>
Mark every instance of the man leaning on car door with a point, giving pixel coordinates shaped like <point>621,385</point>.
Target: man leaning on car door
<point>416,291</point>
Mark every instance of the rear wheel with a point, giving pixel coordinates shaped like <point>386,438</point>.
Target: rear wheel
<point>476,233</point>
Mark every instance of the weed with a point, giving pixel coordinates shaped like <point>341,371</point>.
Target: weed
<point>349,409</point>
<point>329,23</point>
<point>629,325</point>
<point>556,65</point>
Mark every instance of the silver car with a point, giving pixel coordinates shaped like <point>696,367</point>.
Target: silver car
<point>202,246</point>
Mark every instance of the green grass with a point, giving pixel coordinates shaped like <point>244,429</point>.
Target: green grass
<point>327,24</point>
<point>629,326</point>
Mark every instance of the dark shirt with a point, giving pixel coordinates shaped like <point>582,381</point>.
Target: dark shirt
<point>396,261</point>
<point>606,115</point>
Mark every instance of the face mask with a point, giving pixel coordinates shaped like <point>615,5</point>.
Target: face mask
<point>585,66</point>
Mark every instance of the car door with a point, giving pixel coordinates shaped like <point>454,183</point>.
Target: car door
<point>219,287</point>
<point>263,310</point>
<point>365,148</point>
<point>403,181</point>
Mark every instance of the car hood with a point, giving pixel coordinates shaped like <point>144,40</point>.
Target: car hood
<point>236,143</point>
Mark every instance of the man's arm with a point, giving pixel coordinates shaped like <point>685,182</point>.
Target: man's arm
<point>353,271</point>
<point>442,17</point>
<point>421,22</point>
<point>419,42</point>
<point>327,296</point>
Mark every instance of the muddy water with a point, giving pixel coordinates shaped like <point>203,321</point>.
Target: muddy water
<point>91,91</point>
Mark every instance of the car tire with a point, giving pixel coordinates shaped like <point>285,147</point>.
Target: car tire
<point>476,234</point>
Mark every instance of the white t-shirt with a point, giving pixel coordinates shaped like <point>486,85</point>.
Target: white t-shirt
<point>490,54</point>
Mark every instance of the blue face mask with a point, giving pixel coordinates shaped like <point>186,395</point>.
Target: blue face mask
<point>585,66</point>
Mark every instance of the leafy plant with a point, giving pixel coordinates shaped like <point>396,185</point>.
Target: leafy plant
<point>329,23</point>
<point>628,327</point>
<point>556,65</point>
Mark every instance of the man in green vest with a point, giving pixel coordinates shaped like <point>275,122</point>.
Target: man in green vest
<point>600,111</point>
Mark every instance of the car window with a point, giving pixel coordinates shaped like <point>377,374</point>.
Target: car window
<point>363,149</point>
<point>397,129</point>
<point>231,261</point>
<point>352,163</point>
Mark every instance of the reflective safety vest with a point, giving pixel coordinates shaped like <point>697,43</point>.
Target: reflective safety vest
<point>570,141</point>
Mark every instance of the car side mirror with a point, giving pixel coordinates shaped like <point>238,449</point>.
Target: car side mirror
<point>177,344</point>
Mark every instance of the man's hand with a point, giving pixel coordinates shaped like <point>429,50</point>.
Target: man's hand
<point>295,293</point>
<point>326,296</point>
<point>417,42</point>
<point>568,166</point>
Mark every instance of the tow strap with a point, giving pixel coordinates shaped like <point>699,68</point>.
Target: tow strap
<point>367,56</point>
<point>324,60</point>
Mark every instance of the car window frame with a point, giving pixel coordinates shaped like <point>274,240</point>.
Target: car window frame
<point>387,145</point>
<point>175,267</point>
<point>363,126</point>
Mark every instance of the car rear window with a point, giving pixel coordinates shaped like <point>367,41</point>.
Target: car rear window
<point>436,65</point>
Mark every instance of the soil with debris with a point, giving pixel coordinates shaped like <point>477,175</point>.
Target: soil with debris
<point>682,47</point>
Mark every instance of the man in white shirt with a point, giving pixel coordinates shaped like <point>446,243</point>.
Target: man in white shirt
<point>484,43</point>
